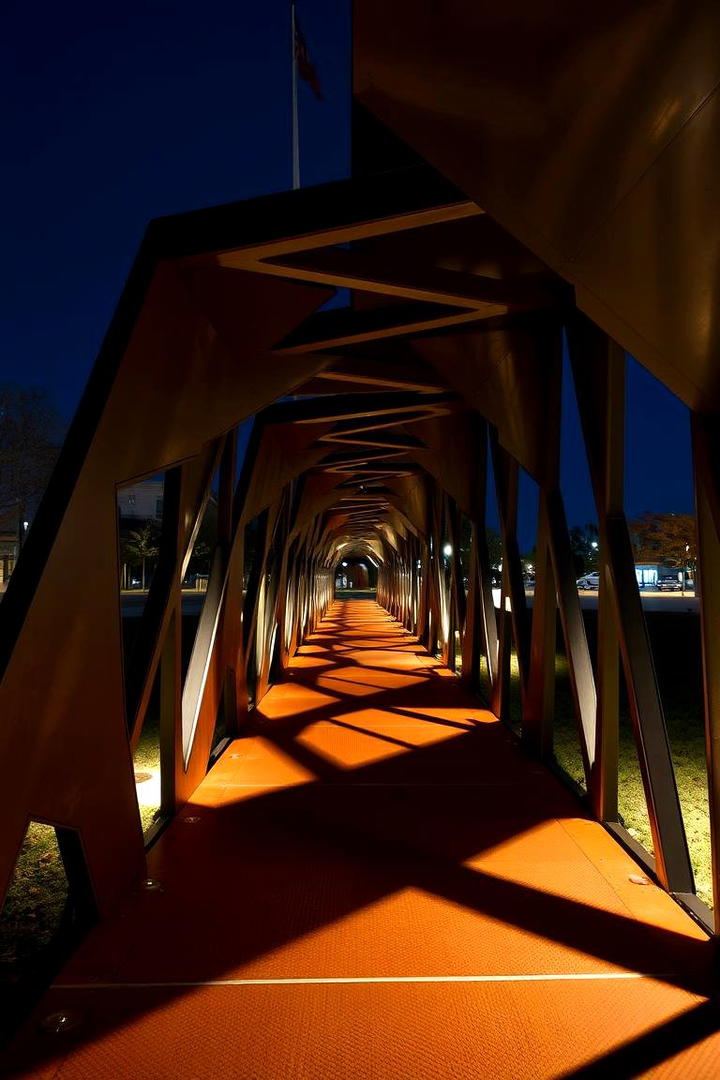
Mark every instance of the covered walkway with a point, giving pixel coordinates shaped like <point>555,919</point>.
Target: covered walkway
<point>376,882</point>
<point>358,871</point>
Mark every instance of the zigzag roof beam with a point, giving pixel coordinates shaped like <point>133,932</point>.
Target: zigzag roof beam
<point>370,372</point>
<point>360,456</point>
<point>344,326</point>
<point>308,218</point>
<point>359,503</point>
<point>362,468</point>
<point>355,270</point>
<point>387,442</point>
<point>339,435</point>
<point>358,516</point>
<point>397,407</point>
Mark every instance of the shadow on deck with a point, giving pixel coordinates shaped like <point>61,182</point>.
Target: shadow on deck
<point>376,882</point>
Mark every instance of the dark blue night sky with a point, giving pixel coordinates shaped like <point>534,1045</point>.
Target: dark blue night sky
<point>116,114</point>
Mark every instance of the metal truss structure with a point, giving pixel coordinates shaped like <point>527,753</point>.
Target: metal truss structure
<point>373,423</point>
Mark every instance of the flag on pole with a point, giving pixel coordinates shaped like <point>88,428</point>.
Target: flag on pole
<point>305,67</point>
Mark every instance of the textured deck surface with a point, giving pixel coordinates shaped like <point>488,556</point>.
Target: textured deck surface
<point>376,883</point>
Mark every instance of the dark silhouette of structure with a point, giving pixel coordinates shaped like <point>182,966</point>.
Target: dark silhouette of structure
<point>519,174</point>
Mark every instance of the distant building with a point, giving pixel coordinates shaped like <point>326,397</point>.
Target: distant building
<point>648,574</point>
<point>141,502</point>
<point>8,543</point>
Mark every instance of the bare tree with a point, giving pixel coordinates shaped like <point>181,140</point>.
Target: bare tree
<point>30,437</point>
<point>584,544</point>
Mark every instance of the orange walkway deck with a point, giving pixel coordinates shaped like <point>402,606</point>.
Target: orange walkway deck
<point>376,883</point>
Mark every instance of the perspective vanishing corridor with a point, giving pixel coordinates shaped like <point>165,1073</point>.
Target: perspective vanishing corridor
<point>376,882</point>
<point>292,835</point>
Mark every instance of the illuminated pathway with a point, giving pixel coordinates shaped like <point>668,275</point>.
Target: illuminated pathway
<point>376,883</point>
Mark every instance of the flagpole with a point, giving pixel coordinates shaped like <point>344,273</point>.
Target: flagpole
<point>295,131</point>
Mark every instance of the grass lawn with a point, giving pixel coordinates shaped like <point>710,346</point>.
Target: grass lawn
<point>37,899</point>
<point>146,760</point>
<point>35,902</point>
<point>687,743</point>
<point>676,651</point>
<point>675,641</point>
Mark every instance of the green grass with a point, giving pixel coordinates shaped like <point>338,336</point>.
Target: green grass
<point>35,902</point>
<point>484,678</point>
<point>687,744</point>
<point>147,759</point>
<point>565,735</point>
<point>37,898</point>
<point>676,651</point>
<point>38,893</point>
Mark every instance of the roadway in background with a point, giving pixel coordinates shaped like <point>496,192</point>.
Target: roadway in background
<point>651,600</point>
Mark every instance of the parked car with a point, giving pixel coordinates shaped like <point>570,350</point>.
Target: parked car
<point>669,584</point>
<point>589,581</point>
